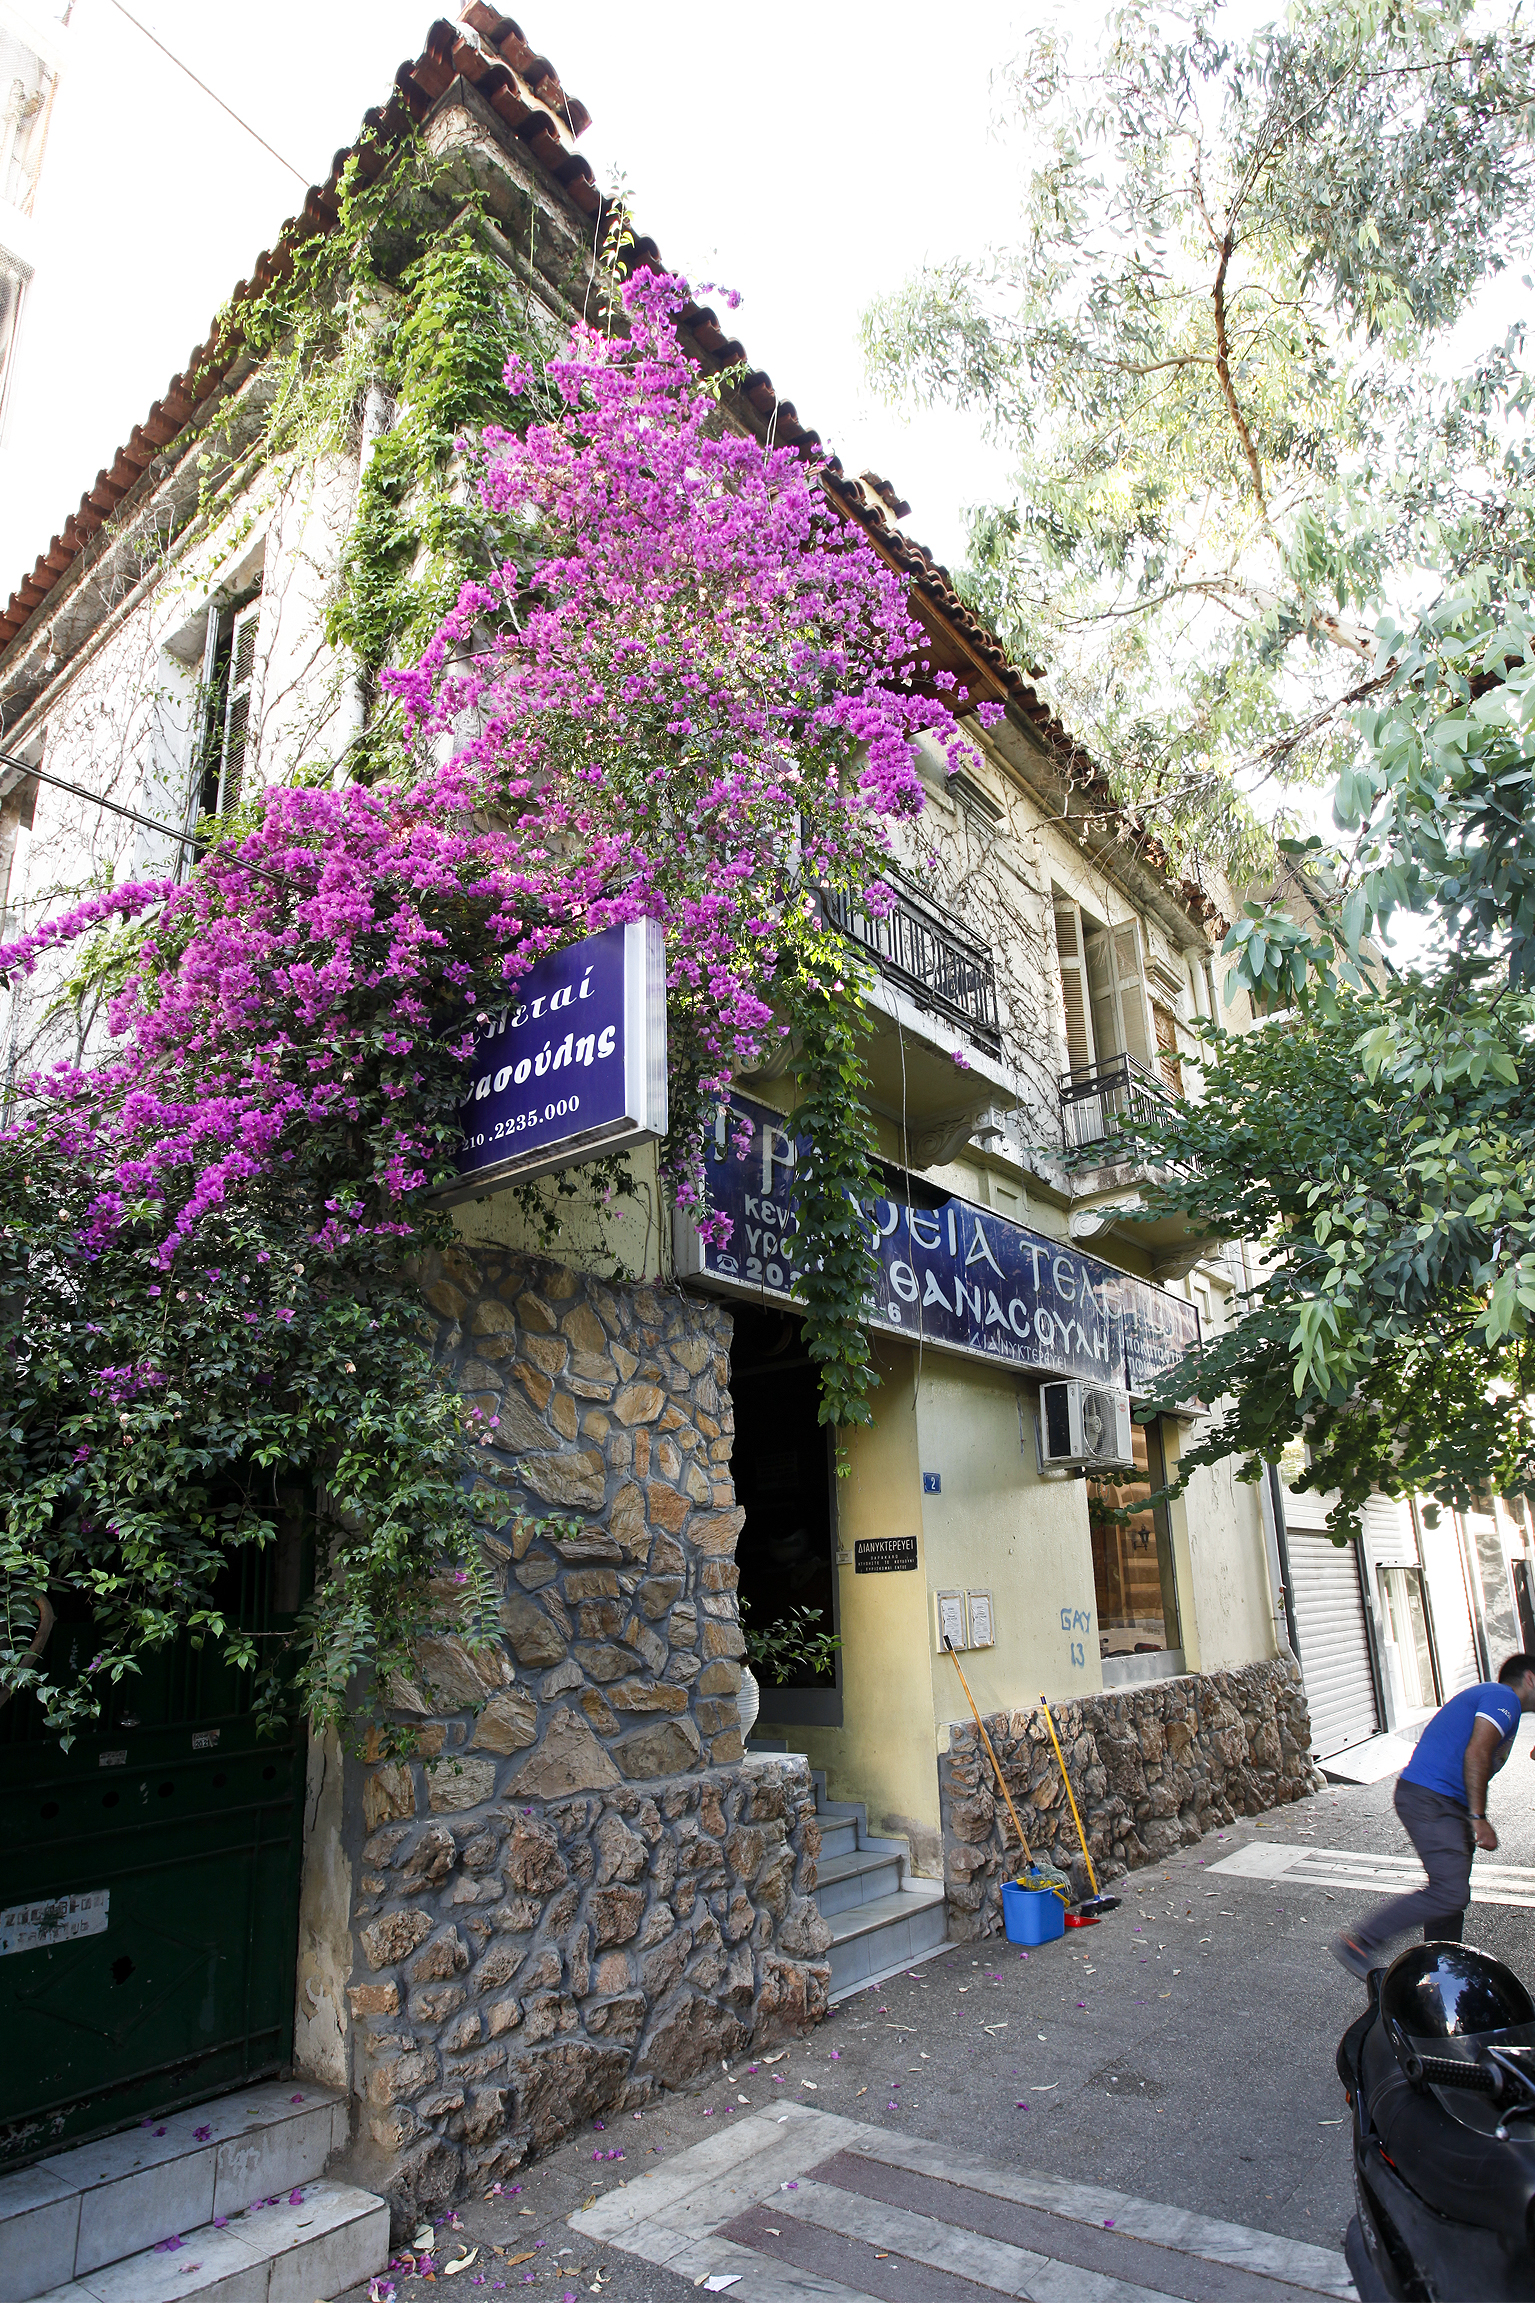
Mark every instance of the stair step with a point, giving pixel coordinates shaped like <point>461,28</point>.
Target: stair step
<point>861,1877</point>
<point>65,2217</point>
<point>871,1940</point>
<point>325,2239</point>
<point>837,1840</point>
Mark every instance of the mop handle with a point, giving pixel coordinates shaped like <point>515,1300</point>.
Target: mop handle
<point>1066,1779</point>
<point>991,1755</point>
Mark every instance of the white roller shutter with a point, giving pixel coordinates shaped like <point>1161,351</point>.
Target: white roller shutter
<point>1334,1645</point>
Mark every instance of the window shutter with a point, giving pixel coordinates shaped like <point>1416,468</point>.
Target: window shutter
<point>1169,1064</point>
<point>237,706</point>
<point>1068,943</point>
<point>1103,1006</point>
<point>1130,990</point>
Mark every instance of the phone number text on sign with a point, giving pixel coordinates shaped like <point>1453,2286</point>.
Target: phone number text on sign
<point>517,1121</point>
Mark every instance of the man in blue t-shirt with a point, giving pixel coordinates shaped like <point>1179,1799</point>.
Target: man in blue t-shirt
<point>1441,1797</point>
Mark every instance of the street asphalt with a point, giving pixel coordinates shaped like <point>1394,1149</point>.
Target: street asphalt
<point>1181,2050</point>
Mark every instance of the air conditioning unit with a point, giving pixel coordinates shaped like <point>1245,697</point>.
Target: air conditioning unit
<point>1085,1423</point>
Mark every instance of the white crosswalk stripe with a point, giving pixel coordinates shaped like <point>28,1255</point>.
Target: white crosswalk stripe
<point>803,2206</point>
<point>1367,1872</point>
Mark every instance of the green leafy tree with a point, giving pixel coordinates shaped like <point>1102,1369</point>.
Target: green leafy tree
<point>1268,523</point>
<point>1218,357</point>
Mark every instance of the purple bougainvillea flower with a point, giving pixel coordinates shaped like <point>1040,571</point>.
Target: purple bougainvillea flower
<point>202,2135</point>
<point>168,2246</point>
<point>690,581</point>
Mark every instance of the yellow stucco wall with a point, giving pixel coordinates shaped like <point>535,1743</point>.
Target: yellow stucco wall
<point>884,1753</point>
<point>1222,1561</point>
<point>995,1525</point>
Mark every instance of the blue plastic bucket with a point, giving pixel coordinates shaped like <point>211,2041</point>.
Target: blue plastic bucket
<point>1032,1914</point>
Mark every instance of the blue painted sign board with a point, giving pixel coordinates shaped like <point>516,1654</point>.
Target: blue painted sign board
<point>574,1068</point>
<point>955,1276</point>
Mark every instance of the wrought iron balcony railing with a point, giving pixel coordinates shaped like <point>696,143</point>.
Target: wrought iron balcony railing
<point>1099,1101</point>
<point>931,956</point>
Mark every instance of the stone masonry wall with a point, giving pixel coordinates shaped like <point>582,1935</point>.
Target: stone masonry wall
<point>577,1888</point>
<point>1153,1767</point>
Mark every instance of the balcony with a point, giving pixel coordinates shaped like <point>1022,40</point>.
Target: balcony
<point>1098,1101</point>
<point>929,956</point>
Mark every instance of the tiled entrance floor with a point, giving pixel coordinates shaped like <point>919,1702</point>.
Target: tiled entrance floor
<point>799,2203</point>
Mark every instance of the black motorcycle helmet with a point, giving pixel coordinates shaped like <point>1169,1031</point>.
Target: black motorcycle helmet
<point>1452,1991</point>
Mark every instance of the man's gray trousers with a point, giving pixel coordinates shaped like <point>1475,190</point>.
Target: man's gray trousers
<point>1440,1830</point>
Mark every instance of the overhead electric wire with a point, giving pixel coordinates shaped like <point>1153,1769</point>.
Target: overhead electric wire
<point>210,94</point>
<point>183,839</point>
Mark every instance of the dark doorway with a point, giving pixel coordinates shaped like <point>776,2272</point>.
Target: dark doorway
<point>151,1881</point>
<point>782,1466</point>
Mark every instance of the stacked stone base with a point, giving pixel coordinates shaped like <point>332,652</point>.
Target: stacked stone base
<point>1153,1767</point>
<point>530,1964</point>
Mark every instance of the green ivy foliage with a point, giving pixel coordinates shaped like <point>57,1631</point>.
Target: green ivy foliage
<point>835,1183</point>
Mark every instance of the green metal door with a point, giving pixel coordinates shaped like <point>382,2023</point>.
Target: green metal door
<point>149,1905</point>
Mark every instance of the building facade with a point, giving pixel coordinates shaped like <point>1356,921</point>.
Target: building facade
<point>1425,1601</point>
<point>30,56</point>
<point>583,1886</point>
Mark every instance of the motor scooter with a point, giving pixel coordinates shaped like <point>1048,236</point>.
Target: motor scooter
<point>1439,2072</point>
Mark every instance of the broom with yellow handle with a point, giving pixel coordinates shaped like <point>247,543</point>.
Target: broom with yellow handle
<point>1095,1904</point>
<point>997,1771</point>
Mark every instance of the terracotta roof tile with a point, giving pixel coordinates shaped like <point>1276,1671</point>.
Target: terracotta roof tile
<point>486,49</point>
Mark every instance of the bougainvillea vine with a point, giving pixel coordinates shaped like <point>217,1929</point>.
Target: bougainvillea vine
<point>691,693</point>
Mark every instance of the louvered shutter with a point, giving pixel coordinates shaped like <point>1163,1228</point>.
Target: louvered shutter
<point>1068,941</point>
<point>237,707</point>
<point>1334,1643</point>
<point>1130,990</point>
<point>1169,1064</point>
<point>1102,1004</point>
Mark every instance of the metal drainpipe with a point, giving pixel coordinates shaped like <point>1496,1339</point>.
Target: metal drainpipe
<point>377,417</point>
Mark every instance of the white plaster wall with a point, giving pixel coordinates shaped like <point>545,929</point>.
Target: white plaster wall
<point>124,721</point>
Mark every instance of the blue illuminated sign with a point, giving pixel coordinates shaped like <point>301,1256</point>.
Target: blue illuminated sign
<point>575,1068</point>
<point>957,1276</point>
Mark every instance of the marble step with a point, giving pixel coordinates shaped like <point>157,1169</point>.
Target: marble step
<point>838,1838</point>
<point>65,2217</point>
<point>873,1940</point>
<point>861,1877</point>
<point>318,2240</point>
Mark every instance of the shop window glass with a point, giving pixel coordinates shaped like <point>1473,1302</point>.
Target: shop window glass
<point>1402,1598</point>
<point>1136,1595</point>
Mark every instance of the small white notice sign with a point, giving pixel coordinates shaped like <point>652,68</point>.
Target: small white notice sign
<point>58,1919</point>
<point>951,1619</point>
<point>981,1632</point>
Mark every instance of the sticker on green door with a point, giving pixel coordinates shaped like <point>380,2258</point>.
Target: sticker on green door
<point>60,1919</point>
